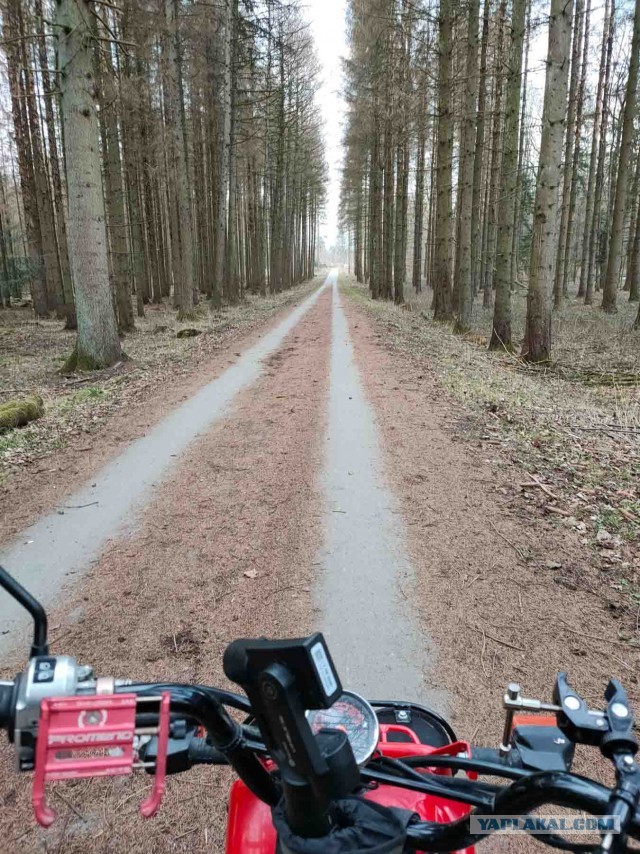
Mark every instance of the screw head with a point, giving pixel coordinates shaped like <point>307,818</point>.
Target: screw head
<point>572,703</point>
<point>620,710</point>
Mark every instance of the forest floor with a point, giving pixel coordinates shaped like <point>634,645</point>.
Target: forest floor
<point>232,545</point>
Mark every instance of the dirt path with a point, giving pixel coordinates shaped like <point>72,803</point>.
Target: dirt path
<point>64,543</point>
<point>337,492</point>
<point>361,593</point>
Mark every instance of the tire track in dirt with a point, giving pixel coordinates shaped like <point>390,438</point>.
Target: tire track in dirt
<point>361,592</point>
<point>164,602</point>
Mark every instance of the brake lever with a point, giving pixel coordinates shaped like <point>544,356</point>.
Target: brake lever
<point>581,724</point>
<point>620,746</point>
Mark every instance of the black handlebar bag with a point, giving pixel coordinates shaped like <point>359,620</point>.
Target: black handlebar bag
<point>360,827</point>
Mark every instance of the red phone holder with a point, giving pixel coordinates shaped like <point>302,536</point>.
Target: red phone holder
<point>93,736</point>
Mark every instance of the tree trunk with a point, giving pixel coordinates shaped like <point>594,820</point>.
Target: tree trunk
<point>476,204</point>
<point>375,231</point>
<point>97,344</point>
<point>537,341</point>
<point>467,166</point>
<point>35,252</point>
<point>178,163</point>
<point>494,201</point>
<point>609,294</point>
<point>418,215</point>
<point>231,259</point>
<point>444,213</point>
<point>594,226</point>
<point>517,219</point>
<point>114,193</point>
<point>501,330</point>
<point>569,249</point>
<point>632,279</point>
<point>568,152</point>
<point>55,293</point>
<point>68,308</point>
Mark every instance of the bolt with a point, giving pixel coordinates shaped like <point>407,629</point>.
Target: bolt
<point>513,690</point>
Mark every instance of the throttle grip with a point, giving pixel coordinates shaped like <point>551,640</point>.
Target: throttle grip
<point>7,704</point>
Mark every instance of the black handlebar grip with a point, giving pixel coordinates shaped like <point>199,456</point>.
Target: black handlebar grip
<point>7,704</point>
<point>235,661</point>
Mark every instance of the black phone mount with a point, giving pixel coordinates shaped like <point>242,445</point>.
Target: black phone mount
<point>35,609</point>
<point>283,679</point>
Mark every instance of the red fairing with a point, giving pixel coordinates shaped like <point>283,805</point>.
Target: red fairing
<point>250,830</point>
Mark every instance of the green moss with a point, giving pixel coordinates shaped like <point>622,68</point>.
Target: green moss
<point>79,362</point>
<point>20,411</point>
<point>192,315</point>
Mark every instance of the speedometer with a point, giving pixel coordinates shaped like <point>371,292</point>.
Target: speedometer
<point>353,715</point>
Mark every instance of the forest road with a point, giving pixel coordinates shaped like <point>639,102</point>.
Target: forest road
<point>362,589</point>
<point>276,520</point>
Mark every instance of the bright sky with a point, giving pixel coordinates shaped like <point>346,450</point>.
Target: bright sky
<point>328,24</point>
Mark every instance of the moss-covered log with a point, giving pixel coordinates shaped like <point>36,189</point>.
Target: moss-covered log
<point>20,411</point>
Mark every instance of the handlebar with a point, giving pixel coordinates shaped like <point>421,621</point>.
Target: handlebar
<point>204,706</point>
<point>548,788</point>
<point>526,791</point>
<point>242,747</point>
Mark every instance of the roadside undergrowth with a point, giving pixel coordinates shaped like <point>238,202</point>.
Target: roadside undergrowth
<point>573,429</point>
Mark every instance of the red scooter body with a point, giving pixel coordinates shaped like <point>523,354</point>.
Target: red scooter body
<point>250,830</point>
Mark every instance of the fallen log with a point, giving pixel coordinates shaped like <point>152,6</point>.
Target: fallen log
<point>20,411</point>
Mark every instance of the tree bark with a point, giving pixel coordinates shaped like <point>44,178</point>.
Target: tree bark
<point>68,308</point>
<point>632,283</point>
<point>467,167</point>
<point>97,344</point>
<point>476,204</point>
<point>444,213</point>
<point>594,225</point>
<point>501,329</point>
<point>537,341</point>
<point>35,251</point>
<point>493,203</point>
<point>178,164</point>
<point>568,152</point>
<point>114,192</point>
<point>614,263</point>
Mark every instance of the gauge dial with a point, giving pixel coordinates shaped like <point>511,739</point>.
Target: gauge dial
<point>353,715</point>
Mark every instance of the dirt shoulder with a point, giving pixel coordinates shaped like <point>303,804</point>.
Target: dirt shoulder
<point>90,418</point>
<point>225,551</point>
<point>506,591</point>
<point>566,439</point>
